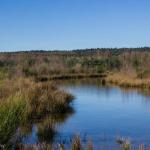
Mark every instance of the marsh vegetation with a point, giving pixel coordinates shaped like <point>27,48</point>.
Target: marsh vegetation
<point>23,100</point>
<point>29,94</point>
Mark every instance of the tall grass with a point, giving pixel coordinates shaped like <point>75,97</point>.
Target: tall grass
<point>76,143</point>
<point>11,114</point>
<point>128,81</point>
<point>127,145</point>
<point>90,145</point>
<point>24,99</point>
<point>45,98</point>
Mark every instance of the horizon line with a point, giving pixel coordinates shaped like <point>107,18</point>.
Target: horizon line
<point>61,50</point>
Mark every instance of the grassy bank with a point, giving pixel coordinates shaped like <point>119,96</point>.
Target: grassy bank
<point>128,81</point>
<point>23,99</point>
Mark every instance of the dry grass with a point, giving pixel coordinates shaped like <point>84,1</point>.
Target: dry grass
<point>23,99</point>
<point>128,81</point>
<point>76,143</point>
<point>45,98</point>
<point>90,145</point>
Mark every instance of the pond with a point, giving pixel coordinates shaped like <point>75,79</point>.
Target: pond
<point>101,113</point>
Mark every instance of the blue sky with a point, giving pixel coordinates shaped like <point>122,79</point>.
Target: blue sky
<point>72,24</point>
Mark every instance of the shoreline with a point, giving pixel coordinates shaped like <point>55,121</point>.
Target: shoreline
<point>113,79</point>
<point>70,76</point>
<point>128,82</point>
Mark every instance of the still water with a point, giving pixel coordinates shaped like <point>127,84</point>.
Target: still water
<point>101,113</point>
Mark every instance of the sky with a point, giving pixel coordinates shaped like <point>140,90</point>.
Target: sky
<point>73,24</point>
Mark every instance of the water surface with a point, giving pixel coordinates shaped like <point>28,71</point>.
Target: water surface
<point>101,113</point>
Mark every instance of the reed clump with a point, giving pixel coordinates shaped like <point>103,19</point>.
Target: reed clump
<point>76,143</point>
<point>90,145</point>
<point>127,145</point>
<point>23,99</point>
<point>45,98</point>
